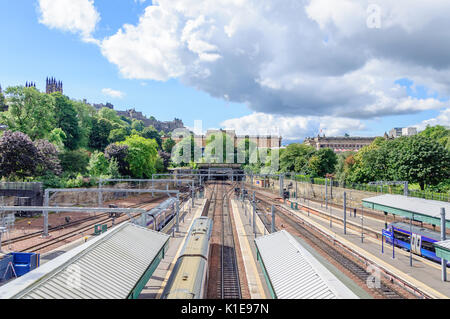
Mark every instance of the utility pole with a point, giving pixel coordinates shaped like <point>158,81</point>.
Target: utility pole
<point>443,237</point>
<point>345,213</point>
<point>273,218</point>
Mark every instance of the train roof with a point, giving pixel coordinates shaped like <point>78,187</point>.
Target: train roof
<point>197,241</point>
<point>418,230</point>
<point>186,279</point>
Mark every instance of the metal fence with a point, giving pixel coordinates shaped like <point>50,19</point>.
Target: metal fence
<point>382,189</point>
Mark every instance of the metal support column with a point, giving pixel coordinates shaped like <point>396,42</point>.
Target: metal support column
<point>177,204</point>
<point>345,213</point>
<point>410,240</point>
<point>443,237</point>
<point>46,202</point>
<point>273,218</point>
<point>254,214</point>
<point>281,185</point>
<point>326,193</point>
<point>100,194</point>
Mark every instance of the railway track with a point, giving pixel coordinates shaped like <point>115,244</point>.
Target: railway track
<point>328,249</point>
<point>224,282</point>
<point>230,283</point>
<point>53,241</point>
<point>98,218</point>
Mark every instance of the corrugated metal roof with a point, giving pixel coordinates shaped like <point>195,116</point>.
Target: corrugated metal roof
<point>107,267</point>
<point>295,273</point>
<point>427,207</point>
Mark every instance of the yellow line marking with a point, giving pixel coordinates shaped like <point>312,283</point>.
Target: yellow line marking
<point>432,292</point>
<point>253,275</point>
<point>177,254</point>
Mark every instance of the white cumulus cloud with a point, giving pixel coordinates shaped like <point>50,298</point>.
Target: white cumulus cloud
<point>76,16</point>
<point>292,128</point>
<point>294,57</point>
<point>113,93</point>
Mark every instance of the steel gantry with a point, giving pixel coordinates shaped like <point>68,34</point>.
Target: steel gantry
<point>93,190</point>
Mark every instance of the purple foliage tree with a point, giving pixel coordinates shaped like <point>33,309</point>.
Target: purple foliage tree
<point>19,157</point>
<point>49,161</point>
<point>118,152</point>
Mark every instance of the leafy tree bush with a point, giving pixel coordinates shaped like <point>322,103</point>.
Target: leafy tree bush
<point>48,158</point>
<point>151,133</point>
<point>419,159</point>
<point>168,145</point>
<point>67,119</point>
<point>19,157</point>
<point>30,112</point>
<point>98,164</point>
<point>74,161</point>
<point>142,155</point>
<point>101,128</point>
<point>295,158</point>
<point>119,153</point>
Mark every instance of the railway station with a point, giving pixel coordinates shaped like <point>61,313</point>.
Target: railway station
<point>218,233</point>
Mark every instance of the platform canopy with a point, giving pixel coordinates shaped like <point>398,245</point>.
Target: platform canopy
<point>443,249</point>
<point>425,210</point>
<point>114,265</point>
<point>292,272</point>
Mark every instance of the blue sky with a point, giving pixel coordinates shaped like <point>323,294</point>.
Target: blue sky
<point>31,51</point>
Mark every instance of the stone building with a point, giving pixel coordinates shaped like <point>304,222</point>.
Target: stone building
<point>53,86</point>
<point>340,143</point>
<point>260,140</point>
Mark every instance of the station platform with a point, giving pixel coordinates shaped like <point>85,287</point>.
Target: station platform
<point>247,237</point>
<point>424,274</point>
<point>155,286</point>
<point>255,277</point>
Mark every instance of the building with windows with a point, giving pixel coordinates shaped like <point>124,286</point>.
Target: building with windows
<point>402,131</point>
<point>339,143</point>
<point>261,141</point>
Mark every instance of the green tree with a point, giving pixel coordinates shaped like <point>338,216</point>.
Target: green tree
<point>2,101</point>
<point>101,128</point>
<point>74,162</point>
<point>371,163</point>
<point>30,112</point>
<point>112,117</point>
<point>419,159</point>
<point>142,155</point>
<point>151,133</point>
<point>342,166</point>
<point>137,125</point>
<point>168,145</point>
<point>98,164</point>
<point>119,153</point>
<point>19,157</point>
<point>117,135</point>
<point>85,114</point>
<point>67,119</point>
<point>439,134</point>
<point>295,158</point>
<point>323,162</point>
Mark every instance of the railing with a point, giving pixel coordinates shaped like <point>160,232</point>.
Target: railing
<point>383,189</point>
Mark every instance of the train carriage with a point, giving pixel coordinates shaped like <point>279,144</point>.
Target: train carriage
<point>422,240</point>
<point>189,276</point>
